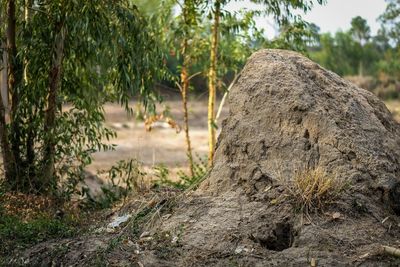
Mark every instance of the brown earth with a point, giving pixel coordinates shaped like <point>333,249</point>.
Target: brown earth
<point>287,115</point>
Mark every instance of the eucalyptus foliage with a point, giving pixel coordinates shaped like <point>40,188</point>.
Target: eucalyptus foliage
<point>108,55</point>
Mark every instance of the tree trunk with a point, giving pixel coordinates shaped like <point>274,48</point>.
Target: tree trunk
<point>212,81</point>
<point>185,85</point>
<point>50,116</point>
<point>11,153</point>
<point>184,92</point>
<point>3,78</point>
<point>30,144</point>
<point>8,161</point>
<point>27,15</point>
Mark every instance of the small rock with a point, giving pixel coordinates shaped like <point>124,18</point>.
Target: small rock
<point>336,215</point>
<point>118,221</point>
<point>240,249</point>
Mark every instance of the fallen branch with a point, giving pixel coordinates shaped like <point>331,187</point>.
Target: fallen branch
<point>391,251</point>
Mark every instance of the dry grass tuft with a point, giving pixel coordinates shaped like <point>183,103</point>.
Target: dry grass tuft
<point>311,189</point>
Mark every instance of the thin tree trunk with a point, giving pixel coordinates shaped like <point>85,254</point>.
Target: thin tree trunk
<point>212,81</point>
<point>12,156</point>
<point>184,92</point>
<point>27,15</point>
<point>185,85</point>
<point>50,116</point>
<point>8,161</point>
<point>30,152</point>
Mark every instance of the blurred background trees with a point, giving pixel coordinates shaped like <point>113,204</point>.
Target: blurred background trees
<point>355,53</point>
<point>372,62</point>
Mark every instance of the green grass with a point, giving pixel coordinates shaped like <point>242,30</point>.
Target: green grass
<point>16,234</point>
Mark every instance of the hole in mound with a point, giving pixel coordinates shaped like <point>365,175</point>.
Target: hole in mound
<point>394,198</point>
<point>306,134</point>
<point>279,239</point>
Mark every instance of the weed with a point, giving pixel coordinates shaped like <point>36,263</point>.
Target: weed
<point>200,171</point>
<point>311,189</point>
<point>163,177</point>
<point>126,177</point>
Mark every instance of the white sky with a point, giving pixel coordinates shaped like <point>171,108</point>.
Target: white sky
<point>335,15</point>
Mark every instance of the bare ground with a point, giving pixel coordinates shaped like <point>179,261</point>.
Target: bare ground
<point>161,145</point>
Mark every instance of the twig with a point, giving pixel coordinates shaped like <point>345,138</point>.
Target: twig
<point>165,86</point>
<point>38,10</point>
<point>194,75</point>
<point>179,86</point>
<point>224,97</point>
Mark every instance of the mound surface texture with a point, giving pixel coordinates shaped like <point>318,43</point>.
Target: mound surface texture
<point>288,114</point>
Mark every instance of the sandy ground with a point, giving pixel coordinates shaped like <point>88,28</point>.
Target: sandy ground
<point>162,145</point>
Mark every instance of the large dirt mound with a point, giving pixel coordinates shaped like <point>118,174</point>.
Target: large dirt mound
<point>287,115</point>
